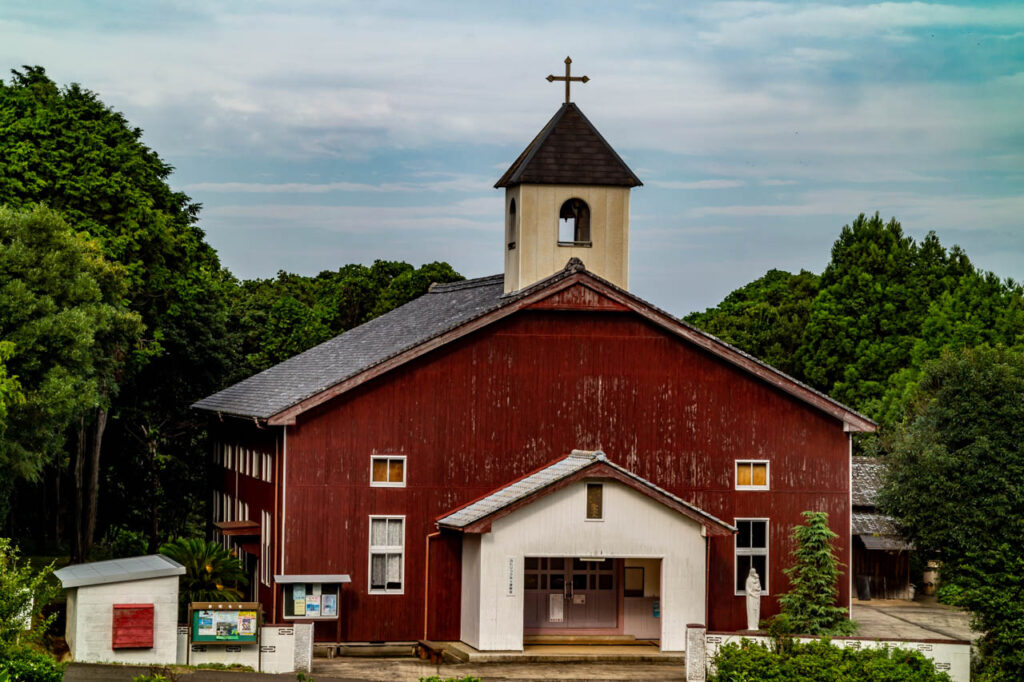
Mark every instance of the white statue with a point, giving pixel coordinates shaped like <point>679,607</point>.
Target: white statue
<point>753,588</point>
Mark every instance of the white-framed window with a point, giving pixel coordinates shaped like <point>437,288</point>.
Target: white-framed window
<point>751,548</point>
<point>751,474</point>
<point>387,471</point>
<point>387,554</point>
<point>310,600</point>
<point>243,511</point>
<point>268,472</point>
<point>265,557</point>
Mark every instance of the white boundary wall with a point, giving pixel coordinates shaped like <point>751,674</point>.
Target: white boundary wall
<point>282,649</point>
<point>950,656</point>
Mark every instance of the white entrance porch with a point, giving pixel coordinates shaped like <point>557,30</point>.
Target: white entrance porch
<point>580,518</point>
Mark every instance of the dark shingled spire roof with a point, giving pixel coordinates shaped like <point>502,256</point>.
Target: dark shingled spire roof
<point>569,151</point>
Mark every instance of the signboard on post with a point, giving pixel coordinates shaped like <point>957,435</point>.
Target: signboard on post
<point>224,623</point>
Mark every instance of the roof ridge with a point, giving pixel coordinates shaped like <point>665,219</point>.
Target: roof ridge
<point>441,287</point>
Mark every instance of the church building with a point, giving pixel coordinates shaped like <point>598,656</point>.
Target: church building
<point>539,452</point>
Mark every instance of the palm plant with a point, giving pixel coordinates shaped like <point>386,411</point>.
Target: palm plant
<point>212,573</point>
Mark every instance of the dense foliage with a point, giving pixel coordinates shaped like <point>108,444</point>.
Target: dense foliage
<point>211,572</point>
<point>956,482</point>
<point>110,408</point>
<point>766,317</point>
<point>69,334</point>
<point>278,318</point>
<point>884,306</point>
<point>821,661</point>
<point>809,607</point>
<point>24,591</point>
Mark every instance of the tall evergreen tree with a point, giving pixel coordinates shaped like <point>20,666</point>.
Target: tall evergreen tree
<point>65,148</point>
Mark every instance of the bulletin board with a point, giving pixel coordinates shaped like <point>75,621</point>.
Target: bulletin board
<point>234,623</point>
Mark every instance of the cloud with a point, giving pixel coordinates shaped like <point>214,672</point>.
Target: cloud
<point>452,184</point>
<point>699,184</point>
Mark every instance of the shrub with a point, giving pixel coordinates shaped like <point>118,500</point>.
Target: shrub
<point>821,661</point>
<point>809,606</point>
<point>22,664</point>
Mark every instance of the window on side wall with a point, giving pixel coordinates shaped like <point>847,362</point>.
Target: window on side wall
<point>751,552</point>
<point>387,471</point>
<point>751,474</point>
<point>387,554</point>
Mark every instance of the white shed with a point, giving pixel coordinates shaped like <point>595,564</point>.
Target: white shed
<point>123,610</point>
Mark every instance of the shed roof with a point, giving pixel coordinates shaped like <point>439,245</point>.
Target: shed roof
<point>119,570</point>
<point>867,480</point>
<point>544,478</point>
<point>569,151</point>
<point>310,377</point>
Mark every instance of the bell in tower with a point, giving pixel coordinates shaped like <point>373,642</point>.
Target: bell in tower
<point>567,195</point>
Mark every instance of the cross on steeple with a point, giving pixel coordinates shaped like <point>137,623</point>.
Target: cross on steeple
<point>567,78</point>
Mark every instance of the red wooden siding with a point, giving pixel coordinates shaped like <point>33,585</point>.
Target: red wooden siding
<point>133,626</point>
<point>260,495</point>
<point>515,395</point>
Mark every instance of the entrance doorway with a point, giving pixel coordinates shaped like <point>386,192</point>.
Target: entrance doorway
<point>563,594</point>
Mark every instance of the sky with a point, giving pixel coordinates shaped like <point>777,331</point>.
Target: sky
<point>321,132</point>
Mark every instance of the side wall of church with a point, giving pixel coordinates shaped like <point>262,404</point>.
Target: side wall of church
<point>518,394</point>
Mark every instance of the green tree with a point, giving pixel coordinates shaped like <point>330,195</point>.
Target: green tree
<point>866,319</point>
<point>10,387</point>
<point>211,573</point>
<point>69,335</point>
<point>24,591</point>
<point>63,147</point>
<point>765,318</point>
<point>275,319</point>
<point>956,483</point>
<point>809,607</point>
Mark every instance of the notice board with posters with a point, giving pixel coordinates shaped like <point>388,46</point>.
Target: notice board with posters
<point>225,623</point>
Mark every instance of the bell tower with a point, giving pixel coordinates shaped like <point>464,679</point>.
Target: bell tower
<point>567,195</point>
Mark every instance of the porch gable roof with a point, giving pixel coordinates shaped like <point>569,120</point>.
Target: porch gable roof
<point>477,516</point>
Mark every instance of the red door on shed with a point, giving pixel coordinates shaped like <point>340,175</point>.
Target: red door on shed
<point>133,626</point>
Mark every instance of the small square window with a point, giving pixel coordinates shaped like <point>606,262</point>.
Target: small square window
<point>595,502</point>
<point>387,472</point>
<point>751,475</point>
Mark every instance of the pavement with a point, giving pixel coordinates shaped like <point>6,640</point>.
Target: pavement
<point>921,619</point>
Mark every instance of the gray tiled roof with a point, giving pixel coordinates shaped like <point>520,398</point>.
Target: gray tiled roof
<point>867,480</point>
<point>444,307</point>
<point>538,480</point>
<point>119,570</point>
<point>870,523</point>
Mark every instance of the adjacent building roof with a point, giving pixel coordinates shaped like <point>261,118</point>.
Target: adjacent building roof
<point>119,570</point>
<point>279,393</point>
<point>878,531</point>
<point>545,478</point>
<point>313,578</point>
<point>569,151</point>
<point>867,480</point>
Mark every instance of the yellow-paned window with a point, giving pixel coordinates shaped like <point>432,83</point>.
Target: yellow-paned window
<point>751,475</point>
<point>396,471</point>
<point>387,471</point>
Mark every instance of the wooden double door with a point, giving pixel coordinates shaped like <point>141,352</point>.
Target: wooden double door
<point>563,593</point>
